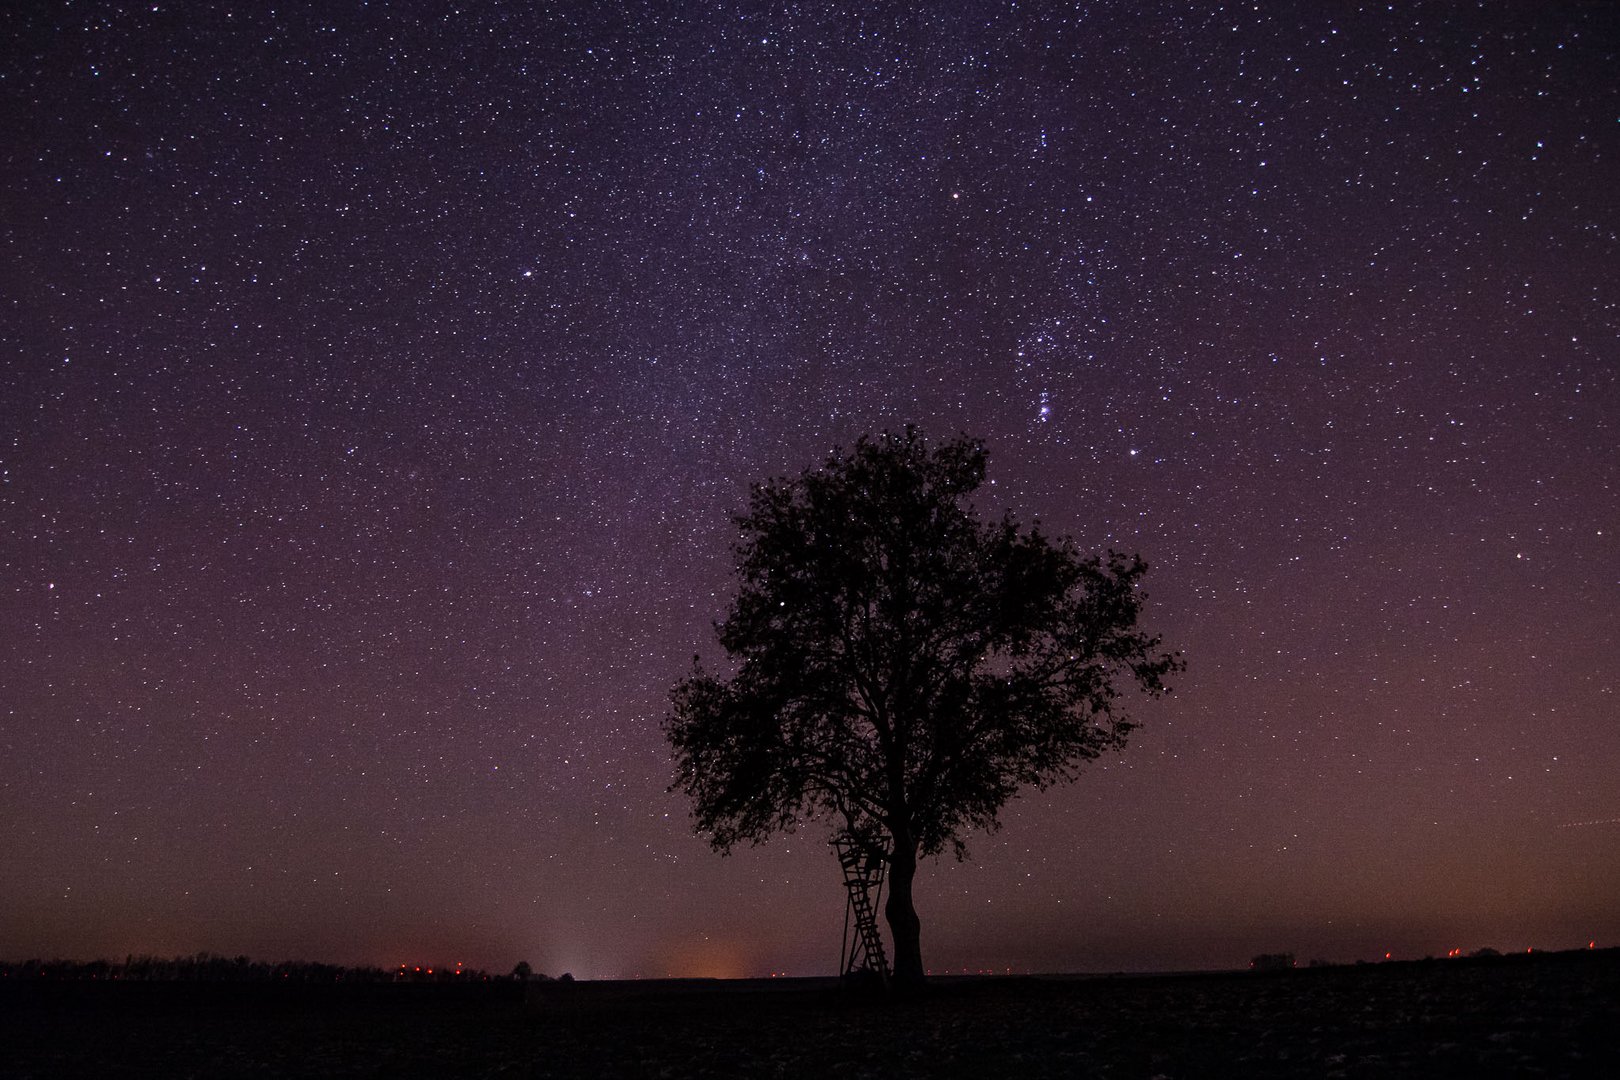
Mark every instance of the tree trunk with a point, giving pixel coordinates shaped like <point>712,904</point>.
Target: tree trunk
<point>904,926</point>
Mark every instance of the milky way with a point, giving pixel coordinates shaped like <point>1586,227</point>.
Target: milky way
<point>378,385</point>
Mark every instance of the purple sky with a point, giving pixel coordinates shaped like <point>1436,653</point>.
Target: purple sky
<point>378,383</point>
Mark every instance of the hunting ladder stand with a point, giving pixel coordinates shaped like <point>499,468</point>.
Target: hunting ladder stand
<point>863,878</point>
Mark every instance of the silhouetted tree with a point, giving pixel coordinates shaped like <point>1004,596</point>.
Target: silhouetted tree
<point>902,667</point>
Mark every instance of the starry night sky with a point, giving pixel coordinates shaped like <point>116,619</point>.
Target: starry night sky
<point>378,382</point>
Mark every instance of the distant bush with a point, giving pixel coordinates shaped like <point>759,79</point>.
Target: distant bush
<point>1318,962</point>
<point>1484,953</point>
<point>1280,961</point>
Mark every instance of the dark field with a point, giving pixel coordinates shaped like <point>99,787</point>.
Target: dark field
<point>1548,1015</point>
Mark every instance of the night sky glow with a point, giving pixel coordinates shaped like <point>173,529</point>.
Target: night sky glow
<point>379,379</point>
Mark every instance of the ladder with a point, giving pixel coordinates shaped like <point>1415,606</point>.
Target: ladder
<point>863,879</point>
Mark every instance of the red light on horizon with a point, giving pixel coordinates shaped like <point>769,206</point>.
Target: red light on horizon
<point>1386,956</point>
<point>1591,944</point>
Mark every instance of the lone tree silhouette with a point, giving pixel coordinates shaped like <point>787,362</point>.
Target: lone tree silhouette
<point>902,667</point>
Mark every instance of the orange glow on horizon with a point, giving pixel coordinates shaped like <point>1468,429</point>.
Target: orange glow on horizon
<point>710,959</point>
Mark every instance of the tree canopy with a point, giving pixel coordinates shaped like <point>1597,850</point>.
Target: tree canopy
<point>902,668</point>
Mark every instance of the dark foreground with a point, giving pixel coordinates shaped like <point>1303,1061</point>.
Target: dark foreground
<point>1546,1015</point>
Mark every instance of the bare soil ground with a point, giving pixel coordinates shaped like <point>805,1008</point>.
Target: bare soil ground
<point>1545,1015</point>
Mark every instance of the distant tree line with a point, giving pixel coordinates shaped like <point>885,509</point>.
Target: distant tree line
<point>209,967</point>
